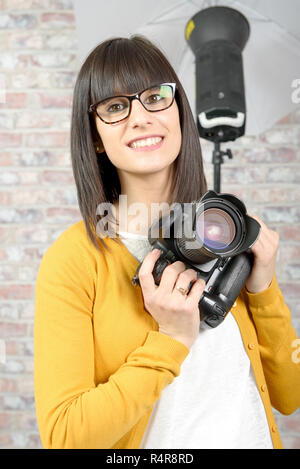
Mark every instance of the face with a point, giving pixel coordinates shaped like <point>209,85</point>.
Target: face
<point>121,141</point>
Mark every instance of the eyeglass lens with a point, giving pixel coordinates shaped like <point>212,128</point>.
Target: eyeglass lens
<point>153,99</point>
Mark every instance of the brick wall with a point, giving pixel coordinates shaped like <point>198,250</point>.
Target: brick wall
<point>38,65</point>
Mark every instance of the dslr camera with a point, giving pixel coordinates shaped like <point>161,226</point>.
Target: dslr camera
<point>213,236</point>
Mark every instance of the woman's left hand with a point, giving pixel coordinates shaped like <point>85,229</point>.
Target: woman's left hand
<point>265,251</point>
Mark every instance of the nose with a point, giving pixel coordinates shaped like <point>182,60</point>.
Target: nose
<point>139,115</point>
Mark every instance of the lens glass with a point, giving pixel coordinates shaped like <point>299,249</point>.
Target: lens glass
<point>114,109</point>
<point>216,228</point>
<point>157,98</point>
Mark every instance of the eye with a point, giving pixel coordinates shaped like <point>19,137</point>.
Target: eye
<point>154,98</point>
<point>115,107</point>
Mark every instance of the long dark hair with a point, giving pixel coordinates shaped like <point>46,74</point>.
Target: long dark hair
<point>125,65</point>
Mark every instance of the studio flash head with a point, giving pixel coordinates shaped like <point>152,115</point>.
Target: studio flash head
<point>217,37</point>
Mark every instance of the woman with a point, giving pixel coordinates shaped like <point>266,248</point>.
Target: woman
<point>106,352</point>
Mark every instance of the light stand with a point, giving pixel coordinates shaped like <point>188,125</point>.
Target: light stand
<point>217,160</point>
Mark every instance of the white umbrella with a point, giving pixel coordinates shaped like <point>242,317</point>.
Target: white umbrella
<point>271,57</point>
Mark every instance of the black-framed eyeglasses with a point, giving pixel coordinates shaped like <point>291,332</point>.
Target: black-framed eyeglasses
<point>117,108</point>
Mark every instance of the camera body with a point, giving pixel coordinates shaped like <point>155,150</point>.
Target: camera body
<point>213,236</point>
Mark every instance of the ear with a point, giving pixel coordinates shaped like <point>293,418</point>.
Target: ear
<point>99,148</point>
<point>97,142</point>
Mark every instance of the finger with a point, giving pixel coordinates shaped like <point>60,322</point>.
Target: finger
<point>145,273</point>
<point>196,290</point>
<point>262,224</point>
<point>170,274</point>
<point>185,278</point>
<point>262,233</point>
<point>252,215</point>
<point>266,236</point>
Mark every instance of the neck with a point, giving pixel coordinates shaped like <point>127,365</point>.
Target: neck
<point>143,198</point>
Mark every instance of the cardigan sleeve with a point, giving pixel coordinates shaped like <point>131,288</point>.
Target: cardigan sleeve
<point>277,341</point>
<point>72,411</point>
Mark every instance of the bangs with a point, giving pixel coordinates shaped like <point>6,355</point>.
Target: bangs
<point>127,67</point>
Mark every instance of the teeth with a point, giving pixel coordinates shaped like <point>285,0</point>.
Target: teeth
<point>146,143</point>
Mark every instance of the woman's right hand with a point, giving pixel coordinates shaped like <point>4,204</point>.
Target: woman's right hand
<point>176,314</point>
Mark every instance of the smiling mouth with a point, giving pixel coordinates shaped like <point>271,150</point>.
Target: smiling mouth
<point>147,144</point>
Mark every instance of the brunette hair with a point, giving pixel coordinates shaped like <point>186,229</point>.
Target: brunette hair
<point>125,66</point>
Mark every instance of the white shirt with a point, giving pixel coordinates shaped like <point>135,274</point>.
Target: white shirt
<point>214,403</point>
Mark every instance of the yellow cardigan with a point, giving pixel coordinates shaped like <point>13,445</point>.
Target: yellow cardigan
<point>100,363</point>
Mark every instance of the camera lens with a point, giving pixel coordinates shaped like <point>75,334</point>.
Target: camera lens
<point>216,228</point>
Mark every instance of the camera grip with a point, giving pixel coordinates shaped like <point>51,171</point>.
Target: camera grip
<point>157,272</point>
<point>233,280</point>
<point>215,304</point>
